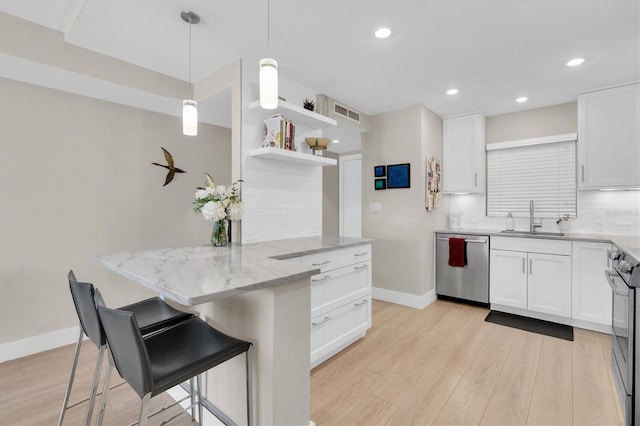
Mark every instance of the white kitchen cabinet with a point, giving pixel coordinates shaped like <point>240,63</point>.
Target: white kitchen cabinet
<point>463,154</point>
<point>340,299</point>
<point>591,294</point>
<point>609,138</point>
<point>531,274</point>
<point>508,282</point>
<point>549,284</point>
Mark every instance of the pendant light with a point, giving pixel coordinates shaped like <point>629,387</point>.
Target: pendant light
<point>190,106</point>
<point>268,75</point>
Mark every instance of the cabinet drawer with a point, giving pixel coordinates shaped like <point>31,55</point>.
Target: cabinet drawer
<point>334,259</point>
<point>330,331</point>
<point>532,245</point>
<point>332,289</point>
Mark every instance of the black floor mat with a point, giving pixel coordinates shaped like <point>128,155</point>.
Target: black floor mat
<point>531,324</point>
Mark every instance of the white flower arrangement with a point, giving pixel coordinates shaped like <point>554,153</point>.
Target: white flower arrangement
<point>217,203</point>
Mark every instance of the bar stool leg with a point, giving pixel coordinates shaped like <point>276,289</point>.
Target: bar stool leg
<point>74,364</point>
<point>192,389</point>
<point>249,359</point>
<point>144,410</point>
<point>105,389</point>
<point>200,410</point>
<point>94,386</point>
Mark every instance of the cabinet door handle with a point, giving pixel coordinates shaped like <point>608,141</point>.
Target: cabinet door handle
<point>475,178</point>
<point>360,303</point>
<point>364,253</point>
<point>357,268</point>
<point>583,173</point>
<point>325,319</point>
<point>523,271</point>
<point>317,280</point>
<point>321,263</point>
<point>530,266</point>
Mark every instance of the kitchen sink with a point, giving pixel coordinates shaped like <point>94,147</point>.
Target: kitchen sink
<point>533,234</point>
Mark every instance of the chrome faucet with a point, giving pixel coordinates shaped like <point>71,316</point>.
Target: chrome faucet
<point>532,225</point>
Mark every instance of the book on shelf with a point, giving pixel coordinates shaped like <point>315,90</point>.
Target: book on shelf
<point>279,132</point>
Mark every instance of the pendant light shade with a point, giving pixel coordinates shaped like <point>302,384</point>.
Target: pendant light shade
<point>268,83</point>
<point>189,117</point>
<point>189,106</point>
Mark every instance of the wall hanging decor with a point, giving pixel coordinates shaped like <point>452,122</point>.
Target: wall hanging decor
<point>380,171</point>
<point>432,186</point>
<point>380,184</point>
<point>399,176</point>
<point>172,169</point>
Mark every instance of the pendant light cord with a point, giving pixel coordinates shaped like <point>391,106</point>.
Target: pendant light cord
<point>268,27</point>
<point>190,85</point>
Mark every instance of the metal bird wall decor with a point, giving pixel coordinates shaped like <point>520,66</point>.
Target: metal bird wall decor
<point>172,169</point>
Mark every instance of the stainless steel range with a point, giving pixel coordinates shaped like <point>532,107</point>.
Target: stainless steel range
<point>624,279</point>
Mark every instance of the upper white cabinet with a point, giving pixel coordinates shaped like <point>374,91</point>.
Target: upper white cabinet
<point>609,138</point>
<point>463,154</point>
<point>591,293</point>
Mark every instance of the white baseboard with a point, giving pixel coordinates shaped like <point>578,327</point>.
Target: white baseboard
<point>410,300</point>
<point>35,344</point>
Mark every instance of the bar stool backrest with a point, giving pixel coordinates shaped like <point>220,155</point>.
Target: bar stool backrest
<point>128,349</point>
<point>84,299</point>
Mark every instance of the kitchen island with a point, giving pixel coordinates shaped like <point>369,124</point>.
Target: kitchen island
<point>253,293</point>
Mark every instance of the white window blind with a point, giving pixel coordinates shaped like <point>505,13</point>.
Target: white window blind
<point>544,173</point>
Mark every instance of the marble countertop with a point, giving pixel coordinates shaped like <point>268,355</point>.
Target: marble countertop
<point>194,275</point>
<point>629,243</point>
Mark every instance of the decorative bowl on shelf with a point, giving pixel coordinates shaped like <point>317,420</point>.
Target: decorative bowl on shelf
<point>318,145</point>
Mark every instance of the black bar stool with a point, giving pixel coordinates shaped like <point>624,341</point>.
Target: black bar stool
<point>178,353</point>
<point>153,315</point>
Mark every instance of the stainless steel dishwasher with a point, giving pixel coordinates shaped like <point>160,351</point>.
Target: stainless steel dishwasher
<point>470,282</point>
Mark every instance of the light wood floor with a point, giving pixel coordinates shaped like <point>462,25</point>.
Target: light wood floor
<point>439,365</point>
<point>446,365</point>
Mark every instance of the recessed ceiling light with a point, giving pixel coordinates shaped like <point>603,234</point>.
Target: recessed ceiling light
<point>382,32</point>
<point>522,99</point>
<point>575,62</point>
<point>452,91</point>
<point>336,141</point>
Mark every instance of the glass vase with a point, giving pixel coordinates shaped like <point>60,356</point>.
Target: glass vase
<point>219,236</point>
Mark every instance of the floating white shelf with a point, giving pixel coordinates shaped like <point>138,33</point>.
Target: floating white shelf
<point>299,115</point>
<point>292,157</point>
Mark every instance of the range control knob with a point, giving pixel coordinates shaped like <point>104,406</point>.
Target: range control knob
<point>613,254</point>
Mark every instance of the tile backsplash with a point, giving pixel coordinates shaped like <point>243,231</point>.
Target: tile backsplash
<point>599,212</point>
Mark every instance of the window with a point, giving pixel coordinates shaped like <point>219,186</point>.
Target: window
<point>544,172</point>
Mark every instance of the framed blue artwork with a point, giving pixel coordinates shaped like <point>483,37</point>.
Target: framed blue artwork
<point>380,171</point>
<point>398,176</point>
<point>380,184</point>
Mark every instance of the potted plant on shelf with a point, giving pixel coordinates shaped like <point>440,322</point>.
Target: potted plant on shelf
<point>220,205</point>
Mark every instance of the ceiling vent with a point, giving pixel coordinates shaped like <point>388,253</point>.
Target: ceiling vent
<point>345,112</point>
<point>345,115</point>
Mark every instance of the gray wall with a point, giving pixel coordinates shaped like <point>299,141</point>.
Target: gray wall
<point>331,198</point>
<point>77,182</point>
<point>403,231</point>
<point>533,123</point>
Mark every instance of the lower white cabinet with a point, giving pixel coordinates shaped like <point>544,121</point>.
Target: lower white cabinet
<point>334,330</point>
<point>591,299</point>
<point>549,284</point>
<point>340,299</point>
<point>531,274</point>
<point>508,278</point>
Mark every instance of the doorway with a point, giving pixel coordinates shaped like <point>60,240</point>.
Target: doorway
<point>350,195</point>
